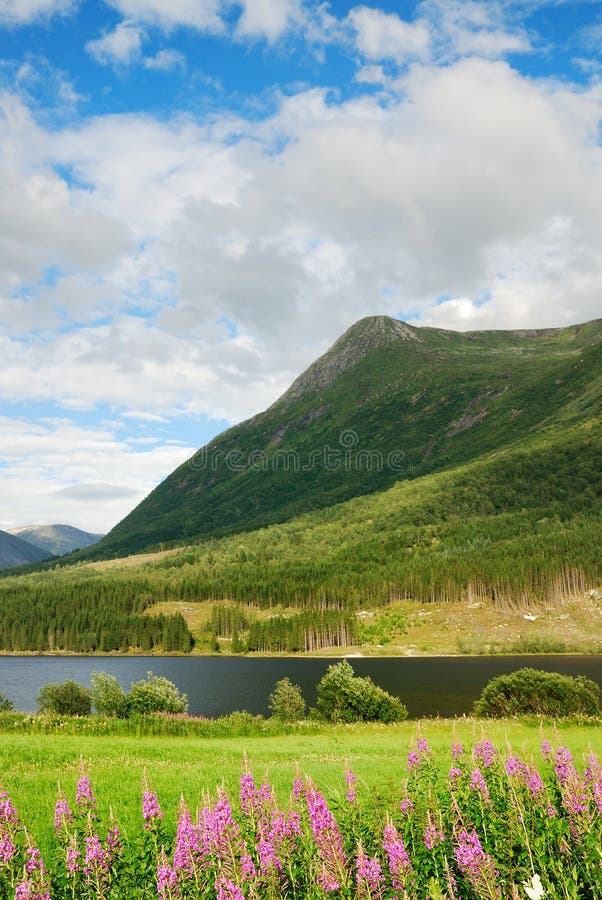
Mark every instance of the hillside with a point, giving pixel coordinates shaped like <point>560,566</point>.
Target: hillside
<point>56,539</point>
<point>14,551</point>
<point>387,402</point>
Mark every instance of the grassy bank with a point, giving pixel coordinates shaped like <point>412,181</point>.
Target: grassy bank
<point>33,764</point>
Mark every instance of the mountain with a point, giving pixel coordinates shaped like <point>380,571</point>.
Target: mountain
<point>14,551</point>
<point>56,540</point>
<point>388,402</point>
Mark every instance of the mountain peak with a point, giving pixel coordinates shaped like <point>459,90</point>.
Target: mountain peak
<point>363,336</point>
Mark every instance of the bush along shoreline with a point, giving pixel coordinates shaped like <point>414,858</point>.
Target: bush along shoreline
<point>477,824</point>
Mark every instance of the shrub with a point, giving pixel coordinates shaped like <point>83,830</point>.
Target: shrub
<point>66,699</point>
<point>286,702</point>
<point>529,691</point>
<point>344,697</point>
<point>156,694</point>
<point>108,697</point>
<point>6,705</point>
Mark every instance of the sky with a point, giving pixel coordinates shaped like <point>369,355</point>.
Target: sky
<point>197,197</point>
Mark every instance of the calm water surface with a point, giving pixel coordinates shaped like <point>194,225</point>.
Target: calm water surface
<point>444,686</point>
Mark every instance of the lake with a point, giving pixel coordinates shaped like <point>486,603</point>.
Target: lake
<point>429,686</point>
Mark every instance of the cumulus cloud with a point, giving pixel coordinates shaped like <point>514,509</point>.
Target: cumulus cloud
<point>59,471</point>
<point>23,12</point>
<point>245,247</point>
<point>165,60</point>
<point>119,47</point>
<point>267,18</point>
<point>201,14</point>
<point>382,35</point>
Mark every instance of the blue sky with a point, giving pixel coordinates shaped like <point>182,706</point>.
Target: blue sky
<point>198,196</point>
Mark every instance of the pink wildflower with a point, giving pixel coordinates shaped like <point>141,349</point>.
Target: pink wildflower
<point>369,875</point>
<point>84,797</point>
<point>400,866</point>
<point>478,783</point>
<point>151,811</point>
<point>63,817</point>
<point>485,751</point>
<point>350,781</point>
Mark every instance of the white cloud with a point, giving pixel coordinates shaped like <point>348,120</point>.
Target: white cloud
<point>267,18</point>
<point>119,47</point>
<point>247,246</point>
<point>484,28</point>
<point>382,35</point>
<point>22,12</point>
<point>56,471</point>
<point>201,14</point>
<point>165,60</point>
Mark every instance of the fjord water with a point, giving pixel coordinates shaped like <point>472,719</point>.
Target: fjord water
<point>429,686</point>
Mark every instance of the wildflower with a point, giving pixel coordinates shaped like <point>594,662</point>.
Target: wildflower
<point>63,817</point>
<point>298,788</point>
<point>84,798</point>
<point>8,813</point>
<point>478,783</point>
<point>7,849</point>
<point>228,890</point>
<point>406,805</point>
<point>546,748</point>
<point>369,875</point>
<point>413,759</point>
<point>432,834</point>
<point>564,768</point>
<point>400,866</point>
<point>247,794</point>
<point>328,840</point>
<point>534,890</point>
<point>422,745</point>
<point>457,751</point>
<point>476,865</point>
<point>247,868</point>
<point>454,773</point>
<point>167,880</point>
<point>514,766</point>
<point>485,751</point>
<point>151,811</point>
<point>34,860</point>
<point>350,781</point>
<point>72,858</point>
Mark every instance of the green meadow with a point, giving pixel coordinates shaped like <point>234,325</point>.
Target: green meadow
<point>33,765</point>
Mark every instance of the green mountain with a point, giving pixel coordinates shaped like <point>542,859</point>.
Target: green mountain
<point>14,551</point>
<point>387,403</point>
<point>56,539</point>
<point>406,466</point>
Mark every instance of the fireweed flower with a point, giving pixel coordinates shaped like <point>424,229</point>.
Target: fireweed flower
<point>485,751</point>
<point>151,811</point>
<point>63,817</point>
<point>187,848</point>
<point>7,849</point>
<point>413,759</point>
<point>84,798</point>
<point>228,890</point>
<point>476,865</point>
<point>328,840</point>
<point>514,766</point>
<point>299,788</point>
<point>72,857</point>
<point>478,783</point>
<point>350,781</point>
<point>432,834</point>
<point>457,751</point>
<point>454,773</point>
<point>247,794</point>
<point>546,748</point>
<point>406,805</point>
<point>369,876</point>
<point>422,745</point>
<point>8,813</point>
<point>399,863</point>
<point>167,880</point>
<point>563,765</point>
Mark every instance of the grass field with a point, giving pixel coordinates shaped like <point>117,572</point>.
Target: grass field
<point>32,765</point>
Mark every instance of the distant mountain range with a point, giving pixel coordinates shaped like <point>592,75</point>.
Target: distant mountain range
<point>387,403</point>
<point>20,546</point>
<point>16,552</point>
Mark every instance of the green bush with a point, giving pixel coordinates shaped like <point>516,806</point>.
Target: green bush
<point>66,699</point>
<point>529,691</point>
<point>108,697</point>
<point>156,694</point>
<point>286,702</point>
<point>344,697</point>
<point>5,704</point>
